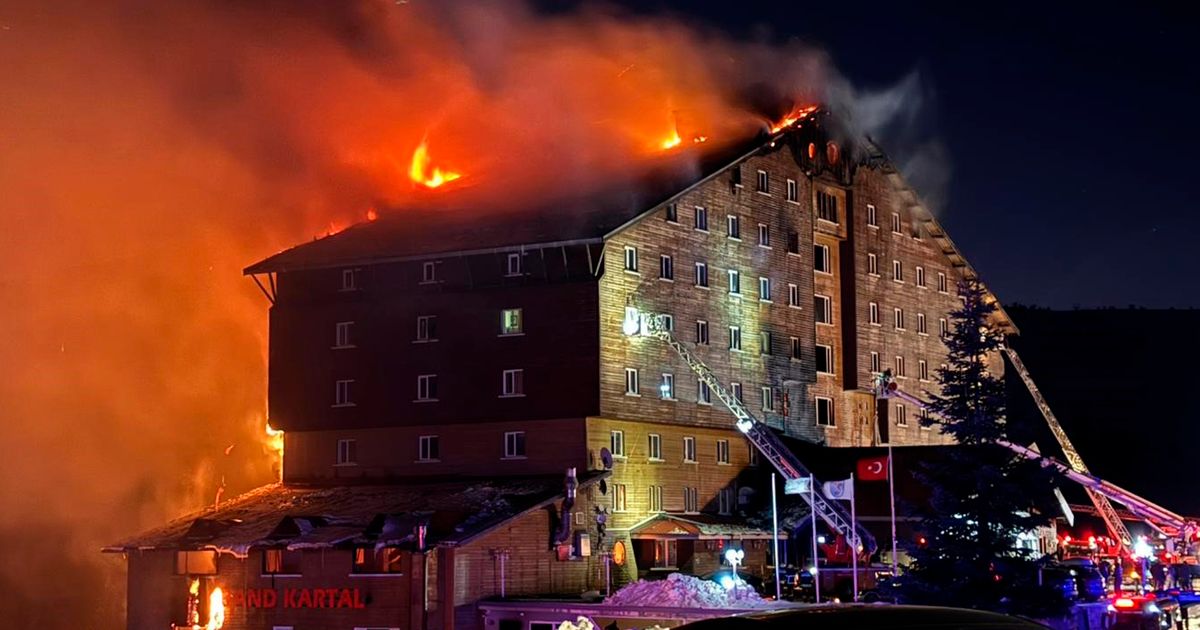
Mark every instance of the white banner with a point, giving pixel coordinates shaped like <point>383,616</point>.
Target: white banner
<point>840,490</point>
<point>802,485</point>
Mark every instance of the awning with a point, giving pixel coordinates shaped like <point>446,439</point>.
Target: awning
<point>697,527</point>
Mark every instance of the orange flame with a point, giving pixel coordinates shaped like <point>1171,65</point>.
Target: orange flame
<point>794,117</point>
<point>421,173</point>
<point>672,141</point>
<point>371,216</point>
<point>216,610</point>
<point>275,444</point>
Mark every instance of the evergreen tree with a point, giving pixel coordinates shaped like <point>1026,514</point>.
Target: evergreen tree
<point>983,495</point>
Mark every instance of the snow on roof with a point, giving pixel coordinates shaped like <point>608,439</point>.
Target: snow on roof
<point>700,526</point>
<point>305,517</point>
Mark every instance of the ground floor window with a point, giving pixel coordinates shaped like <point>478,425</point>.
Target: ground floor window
<point>666,554</point>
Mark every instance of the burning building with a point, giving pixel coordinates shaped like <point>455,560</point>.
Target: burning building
<point>463,417</point>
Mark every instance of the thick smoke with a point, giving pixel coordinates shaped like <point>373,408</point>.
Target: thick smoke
<point>151,150</point>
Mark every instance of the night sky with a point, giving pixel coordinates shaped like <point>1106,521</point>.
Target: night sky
<point>1070,135</point>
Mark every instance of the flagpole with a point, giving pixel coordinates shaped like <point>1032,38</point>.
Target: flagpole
<point>775,538</point>
<point>892,495</point>
<point>812,493</point>
<point>853,539</point>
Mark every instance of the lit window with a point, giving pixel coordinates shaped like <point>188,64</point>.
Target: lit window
<point>666,267</point>
<point>654,446</point>
<point>793,296</point>
<point>654,498</point>
<point>823,309</point>
<point>631,262</point>
<point>795,348</point>
<point>921,324</point>
<point>942,283</point>
<point>733,224</point>
<point>427,387</point>
<point>703,393</point>
<point>512,321</point>
<point>427,328</point>
<point>922,370</point>
<point>349,279</point>
<point>689,450</point>
<point>341,393</point>
<point>282,561</point>
<point>764,235</point>
<point>514,444</point>
<point>764,289</point>
<point>901,416</point>
<point>873,316</point>
<point>369,560</point>
<point>897,271</point>
<point>793,191</point>
<point>512,383</point>
<point>631,382</point>
<point>691,500</point>
<point>824,359</point>
<point>735,282</point>
<point>722,451</point>
<point>898,318</point>
<point>665,554</point>
<point>921,276</point>
<point>872,216</point>
<point>672,213</point>
<point>896,223</point>
<point>428,449</point>
<point>825,412</point>
<point>701,274</point>
<point>899,367</point>
<point>821,258</point>
<point>666,389</point>
<point>620,498</point>
<point>735,337</point>
<point>768,398</point>
<point>513,268</point>
<point>347,452</point>
<point>701,219</point>
<point>875,362</point>
<point>764,182</point>
<point>616,443</point>
<point>428,272</point>
<point>702,332</point>
<point>341,335</point>
<point>735,390</point>
<point>764,342</point>
<point>873,264</point>
<point>827,207</point>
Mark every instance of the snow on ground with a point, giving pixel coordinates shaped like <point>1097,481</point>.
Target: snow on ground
<point>685,591</point>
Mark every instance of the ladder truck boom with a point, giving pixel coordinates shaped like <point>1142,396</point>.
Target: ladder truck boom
<point>760,435</point>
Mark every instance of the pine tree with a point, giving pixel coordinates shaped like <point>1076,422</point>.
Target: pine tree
<point>983,495</point>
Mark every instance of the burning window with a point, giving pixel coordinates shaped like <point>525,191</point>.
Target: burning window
<point>341,393</point>
<point>631,259</point>
<point>764,342</point>
<point>832,153</point>
<point>793,191</point>
<point>823,309</point>
<point>764,182</point>
<point>512,383</point>
<point>428,448</point>
<point>764,289</point>
<point>701,274</point>
<point>735,338</point>
<point>689,450</point>
<point>368,560</point>
<point>195,563</point>
<point>672,213</point>
<point>511,321</point>
<point>872,216</point>
<point>514,444</point>
<point>825,416</point>
<point>427,328</point>
<point>827,206</point>
<point>347,453</point>
<point>341,335</point>
<point>427,390</point>
<point>821,258</point>
<point>282,562</point>
<point>666,267</point>
<point>824,359</point>
<point>733,226</point>
<point>701,219</point>
<point>631,382</point>
<point>666,389</point>
<point>513,266</point>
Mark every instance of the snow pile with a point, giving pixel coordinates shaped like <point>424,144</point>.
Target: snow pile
<point>685,591</point>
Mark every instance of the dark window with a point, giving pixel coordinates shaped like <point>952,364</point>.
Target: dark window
<point>821,258</point>
<point>825,412</point>
<point>764,182</point>
<point>827,206</point>
<point>701,219</point>
<point>824,359</point>
<point>672,213</point>
<point>666,267</point>
<point>793,244</point>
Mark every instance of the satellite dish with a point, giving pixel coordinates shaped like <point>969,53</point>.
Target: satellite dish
<point>606,458</point>
<point>603,487</point>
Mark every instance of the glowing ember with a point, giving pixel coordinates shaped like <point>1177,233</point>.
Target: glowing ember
<point>216,610</point>
<point>796,116</point>
<point>371,216</point>
<point>275,444</point>
<point>672,141</point>
<point>700,139</point>
<point>421,173</point>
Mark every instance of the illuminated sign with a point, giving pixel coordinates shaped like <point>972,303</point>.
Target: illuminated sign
<point>296,598</point>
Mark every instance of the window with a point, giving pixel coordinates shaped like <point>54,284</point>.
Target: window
<point>898,318</point>
<point>923,421</point>
<point>823,308</point>
<point>631,382</point>
<point>616,443</point>
<point>735,175</point>
<point>370,560</point>
<point>824,359</point>
<point>922,370</point>
<point>654,446</point>
<point>899,366</point>
<point>942,283</point>
<point>513,266</point>
<point>654,498</point>
<point>282,562</point>
<point>872,216</point>
<point>620,498</point>
<point>735,390</point>
<point>827,207</point>
<point>920,276</point>
<point>825,412</point>
<point>428,272</point>
<point>196,562</point>
<point>793,296</point>
<point>733,225</point>
<point>427,328</point>
<point>896,223</point>
<point>665,554</point>
<point>349,279</point>
<point>514,444</point>
<point>793,243</point>
<point>821,258</point>
<point>703,393</point>
<point>753,458</point>
<point>921,330</point>
<point>341,335</point>
<point>873,264</point>
<point>943,326</point>
<point>689,450</point>
<point>701,275</point>
<point>735,338</point>
<point>793,191</point>
<point>428,448</point>
<point>427,387</point>
<point>341,393</point>
<point>672,213</point>
<point>764,342</point>
<point>512,321</point>
<point>691,500</point>
<point>701,219</point>
<point>668,323</point>
<point>897,271</point>
<point>764,182</point>
<point>901,416</point>
<point>764,235</point>
<point>735,282</point>
<point>873,315</point>
<point>512,383</point>
<point>631,259</point>
<point>702,332</point>
<point>725,501</point>
<point>347,452</point>
<point>666,389</point>
<point>875,362</point>
<point>795,348</point>
<point>764,289</point>
<point>666,267</point>
<point>768,398</point>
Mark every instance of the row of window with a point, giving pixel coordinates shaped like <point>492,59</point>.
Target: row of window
<point>900,323</point>
<point>899,368</point>
<point>654,448</point>
<point>429,448</point>
<point>666,271</point>
<point>654,499</point>
<point>512,323</point>
<point>900,416</point>
<point>512,385</point>
<point>513,266</point>
<point>897,223</point>
<point>666,390</point>
<point>943,285</point>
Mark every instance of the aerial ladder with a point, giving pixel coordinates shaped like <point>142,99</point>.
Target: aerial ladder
<point>760,435</point>
<point>1100,491</point>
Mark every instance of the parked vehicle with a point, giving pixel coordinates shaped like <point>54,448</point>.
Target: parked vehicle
<point>875,616</point>
<point>1089,581</point>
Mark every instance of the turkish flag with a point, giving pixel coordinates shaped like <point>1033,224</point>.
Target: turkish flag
<point>873,469</point>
